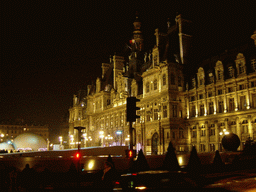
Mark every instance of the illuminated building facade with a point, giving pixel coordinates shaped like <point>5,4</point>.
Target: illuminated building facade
<point>176,107</point>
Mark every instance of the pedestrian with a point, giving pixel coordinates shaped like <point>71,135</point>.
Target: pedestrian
<point>13,179</point>
<point>109,176</point>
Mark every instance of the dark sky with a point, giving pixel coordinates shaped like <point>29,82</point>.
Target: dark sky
<point>51,49</point>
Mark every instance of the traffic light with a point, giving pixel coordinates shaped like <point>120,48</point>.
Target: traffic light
<point>78,155</point>
<point>130,153</point>
<point>131,109</point>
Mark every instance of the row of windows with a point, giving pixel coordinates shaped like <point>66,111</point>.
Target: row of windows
<point>241,69</point>
<point>220,106</point>
<point>220,91</point>
<point>172,81</point>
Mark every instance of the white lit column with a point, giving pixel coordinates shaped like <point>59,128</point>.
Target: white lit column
<point>247,95</point>
<point>250,126</point>
<point>238,131</point>
<point>189,139</point>
<point>198,136</point>
<point>225,100</point>
<point>217,135</point>
<point>207,140</point>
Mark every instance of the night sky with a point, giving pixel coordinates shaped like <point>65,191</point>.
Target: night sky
<point>51,49</point>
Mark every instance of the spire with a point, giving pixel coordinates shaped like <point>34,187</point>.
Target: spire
<point>168,23</point>
<point>137,39</point>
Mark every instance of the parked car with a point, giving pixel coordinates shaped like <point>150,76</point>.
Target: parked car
<point>156,180</point>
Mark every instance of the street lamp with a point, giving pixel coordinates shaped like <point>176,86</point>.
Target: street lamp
<point>101,136</point>
<point>60,139</point>
<point>119,133</point>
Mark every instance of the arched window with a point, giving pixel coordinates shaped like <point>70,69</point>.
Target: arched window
<point>219,70</point>
<point>147,87</point>
<point>240,64</point>
<point>164,79</point>
<point>155,84</point>
<point>211,78</point>
<point>231,71</point>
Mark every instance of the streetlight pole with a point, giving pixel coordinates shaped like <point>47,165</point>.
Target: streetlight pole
<point>79,129</point>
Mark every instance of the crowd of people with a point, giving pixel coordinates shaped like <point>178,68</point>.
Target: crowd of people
<point>29,179</point>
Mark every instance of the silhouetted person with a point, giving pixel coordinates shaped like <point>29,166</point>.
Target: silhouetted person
<point>13,174</point>
<point>28,178</point>
<point>109,176</point>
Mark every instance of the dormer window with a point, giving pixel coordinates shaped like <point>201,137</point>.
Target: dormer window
<point>240,64</point>
<point>200,75</point>
<point>231,71</point>
<point>219,70</point>
<point>253,64</point>
<point>193,83</point>
<point>211,78</point>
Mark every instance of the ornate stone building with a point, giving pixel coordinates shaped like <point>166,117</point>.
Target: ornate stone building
<point>175,106</point>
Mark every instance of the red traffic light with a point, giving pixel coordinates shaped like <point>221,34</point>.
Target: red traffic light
<point>77,155</point>
<point>130,153</point>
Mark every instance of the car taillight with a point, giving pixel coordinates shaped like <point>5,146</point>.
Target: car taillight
<point>117,183</point>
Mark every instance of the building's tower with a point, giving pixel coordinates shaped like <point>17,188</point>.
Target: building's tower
<point>137,40</point>
<point>185,38</point>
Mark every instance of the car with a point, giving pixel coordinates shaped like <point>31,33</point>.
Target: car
<point>242,183</point>
<point>154,180</point>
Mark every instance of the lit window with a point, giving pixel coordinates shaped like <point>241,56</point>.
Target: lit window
<point>155,84</point>
<point>164,79</point>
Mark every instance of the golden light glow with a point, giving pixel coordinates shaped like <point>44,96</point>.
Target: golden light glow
<point>91,164</point>
<point>141,187</point>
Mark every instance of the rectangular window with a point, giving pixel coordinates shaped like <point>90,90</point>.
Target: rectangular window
<point>221,107</point>
<point>230,89</point>
<point>174,107</point>
<point>192,98</point>
<point>212,147</point>
<point>210,94</point>
<point>181,134</point>
<point>193,111</point>
<point>253,84</point>
<point>241,87</point>
<point>231,105</point>
<point>194,134</point>
<point>254,100</point>
<point>155,114</point>
<point>201,96</point>
<point>202,110</point>
<point>202,132</point>
<point>220,92</point>
<point>202,147</point>
<point>242,103</point>
<point>211,108</point>
<point>212,131</point>
<point>148,116</point>
<point>164,111</point>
